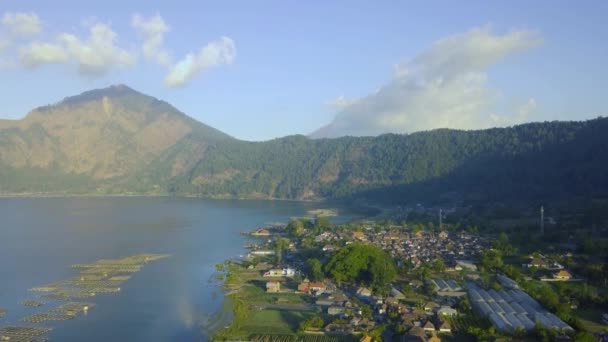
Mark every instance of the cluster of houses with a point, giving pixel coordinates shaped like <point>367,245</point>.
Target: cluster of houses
<point>268,230</point>
<point>554,270</point>
<point>417,247</point>
<point>312,287</point>
<point>430,319</point>
<point>507,309</point>
<point>274,286</point>
<point>280,272</point>
<point>261,232</point>
<point>424,321</point>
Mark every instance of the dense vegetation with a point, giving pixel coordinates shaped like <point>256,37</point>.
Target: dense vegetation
<point>534,161</point>
<point>145,146</point>
<point>362,264</point>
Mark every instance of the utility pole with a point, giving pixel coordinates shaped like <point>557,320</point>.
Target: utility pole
<point>542,220</point>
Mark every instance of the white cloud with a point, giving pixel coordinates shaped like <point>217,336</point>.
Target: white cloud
<point>341,102</point>
<point>98,53</point>
<point>93,57</point>
<point>4,43</point>
<point>525,110</point>
<point>15,26</point>
<point>43,53</point>
<point>219,52</point>
<point>152,30</point>
<point>22,24</point>
<point>444,86</point>
<point>521,114</point>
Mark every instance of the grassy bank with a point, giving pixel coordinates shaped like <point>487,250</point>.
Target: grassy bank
<point>257,312</point>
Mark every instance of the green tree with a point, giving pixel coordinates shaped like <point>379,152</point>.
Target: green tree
<point>315,322</point>
<point>491,259</point>
<point>544,334</point>
<point>429,289</point>
<point>315,269</point>
<point>361,263</point>
<point>295,228</point>
<point>366,311</point>
<point>438,265</point>
<point>376,333</point>
<point>464,305</point>
<point>322,224</point>
<point>583,336</point>
<point>502,244</point>
<point>280,245</point>
<point>519,332</point>
<point>423,272</point>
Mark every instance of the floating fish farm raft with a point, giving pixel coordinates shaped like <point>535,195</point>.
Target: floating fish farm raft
<point>74,308</point>
<point>23,334</point>
<point>511,308</point>
<point>62,313</point>
<point>32,303</point>
<point>47,316</point>
<point>101,277</point>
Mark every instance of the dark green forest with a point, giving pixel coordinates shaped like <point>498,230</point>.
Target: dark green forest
<point>539,161</point>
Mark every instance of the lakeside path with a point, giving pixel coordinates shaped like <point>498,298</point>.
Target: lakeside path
<point>287,307</point>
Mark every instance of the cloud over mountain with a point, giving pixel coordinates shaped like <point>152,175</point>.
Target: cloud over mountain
<point>219,52</point>
<point>100,52</point>
<point>92,57</point>
<point>445,86</point>
<point>153,31</point>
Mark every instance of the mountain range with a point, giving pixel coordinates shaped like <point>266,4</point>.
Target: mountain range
<point>119,141</point>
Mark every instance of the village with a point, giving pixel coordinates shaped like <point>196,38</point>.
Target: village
<point>434,296</point>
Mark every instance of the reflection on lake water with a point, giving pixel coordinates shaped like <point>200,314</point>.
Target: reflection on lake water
<point>167,300</point>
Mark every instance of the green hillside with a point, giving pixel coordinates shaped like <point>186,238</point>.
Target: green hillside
<point>116,140</point>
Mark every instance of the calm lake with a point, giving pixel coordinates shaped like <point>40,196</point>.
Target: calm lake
<point>169,299</point>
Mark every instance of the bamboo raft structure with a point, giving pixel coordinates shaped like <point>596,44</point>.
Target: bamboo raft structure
<point>75,308</point>
<point>32,303</point>
<point>62,313</point>
<point>23,334</point>
<point>66,294</point>
<point>102,276</point>
<point>47,316</point>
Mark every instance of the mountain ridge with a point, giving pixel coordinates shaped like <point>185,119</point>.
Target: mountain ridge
<point>117,140</point>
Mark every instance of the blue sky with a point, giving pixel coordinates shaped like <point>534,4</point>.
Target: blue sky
<point>274,68</point>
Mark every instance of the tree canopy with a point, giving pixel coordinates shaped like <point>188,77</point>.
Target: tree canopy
<point>362,264</point>
<point>315,269</point>
<point>295,228</point>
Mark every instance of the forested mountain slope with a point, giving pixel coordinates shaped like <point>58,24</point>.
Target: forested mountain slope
<point>116,141</point>
<point>532,160</point>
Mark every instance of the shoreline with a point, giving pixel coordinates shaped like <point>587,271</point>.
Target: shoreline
<point>369,209</point>
<point>153,195</point>
<point>220,319</point>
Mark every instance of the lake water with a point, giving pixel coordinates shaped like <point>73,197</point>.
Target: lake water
<point>169,299</point>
